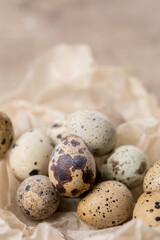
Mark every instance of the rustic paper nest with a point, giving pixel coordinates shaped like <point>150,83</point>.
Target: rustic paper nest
<point>61,81</point>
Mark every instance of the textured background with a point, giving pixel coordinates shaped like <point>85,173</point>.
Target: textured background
<point>124,33</point>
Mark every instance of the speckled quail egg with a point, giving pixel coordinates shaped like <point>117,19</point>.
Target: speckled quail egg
<point>148,208</point>
<point>30,154</point>
<point>37,198</point>
<point>72,168</point>
<point>108,204</point>
<point>57,131</point>
<point>152,178</point>
<point>128,164</point>
<point>96,129</point>
<point>6,133</point>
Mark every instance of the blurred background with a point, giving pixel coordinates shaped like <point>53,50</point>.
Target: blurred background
<point>121,33</point>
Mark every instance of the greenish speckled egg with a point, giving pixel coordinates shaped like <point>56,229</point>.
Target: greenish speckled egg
<point>128,164</point>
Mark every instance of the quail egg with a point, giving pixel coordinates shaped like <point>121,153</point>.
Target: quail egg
<point>37,198</point>
<point>128,164</point>
<point>96,129</point>
<point>108,204</point>
<point>57,131</point>
<point>72,168</point>
<point>148,208</point>
<point>30,154</point>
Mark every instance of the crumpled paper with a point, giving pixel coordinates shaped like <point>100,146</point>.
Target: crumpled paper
<point>65,79</point>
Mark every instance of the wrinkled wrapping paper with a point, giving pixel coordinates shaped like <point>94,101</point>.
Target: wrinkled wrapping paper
<point>65,79</point>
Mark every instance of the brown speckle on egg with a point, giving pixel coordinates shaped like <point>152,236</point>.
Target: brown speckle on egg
<point>27,188</point>
<point>14,145</point>
<point>75,143</point>
<point>115,167</point>
<point>81,150</point>
<point>142,168</point>
<point>56,125</point>
<point>157,205</point>
<point>75,192</point>
<point>57,130</point>
<point>34,172</point>
<point>59,136</point>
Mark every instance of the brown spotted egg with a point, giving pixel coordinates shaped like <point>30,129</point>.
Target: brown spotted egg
<point>148,208</point>
<point>6,133</point>
<point>37,198</point>
<point>108,204</point>
<point>72,168</point>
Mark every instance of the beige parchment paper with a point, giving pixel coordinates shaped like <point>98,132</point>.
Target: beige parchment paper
<point>62,80</point>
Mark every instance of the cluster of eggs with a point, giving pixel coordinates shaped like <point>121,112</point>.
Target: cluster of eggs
<point>72,171</point>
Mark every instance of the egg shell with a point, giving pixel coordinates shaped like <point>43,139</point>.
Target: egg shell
<point>37,198</point>
<point>96,129</point>
<point>152,178</point>
<point>108,204</point>
<point>148,208</point>
<point>72,168</point>
<point>6,134</point>
<point>128,164</point>
<point>30,154</point>
<point>57,131</point>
